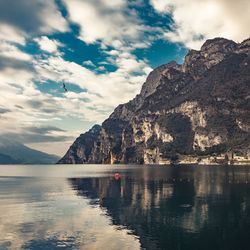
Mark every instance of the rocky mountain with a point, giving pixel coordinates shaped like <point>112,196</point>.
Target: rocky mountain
<point>185,112</point>
<point>12,152</point>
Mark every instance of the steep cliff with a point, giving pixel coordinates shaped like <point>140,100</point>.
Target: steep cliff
<point>200,108</point>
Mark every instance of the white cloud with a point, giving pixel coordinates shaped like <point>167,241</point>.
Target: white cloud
<point>103,90</point>
<point>88,63</point>
<point>105,21</point>
<point>11,51</point>
<point>114,3</point>
<point>11,34</point>
<point>195,20</point>
<point>161,5</point>
<point>116,44</point>
<point>113,52</point>
<point>130,64</point>
<point>29,18</point>
<point>51,18</point>
<point>102,68</point>
<point>47,44</point>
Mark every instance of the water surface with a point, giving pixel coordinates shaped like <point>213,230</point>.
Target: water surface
<point>85,207</point>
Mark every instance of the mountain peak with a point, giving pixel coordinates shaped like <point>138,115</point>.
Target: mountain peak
<point>211,53</point>
<point>218,44</point>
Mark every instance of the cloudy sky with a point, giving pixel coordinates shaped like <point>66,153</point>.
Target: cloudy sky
<point>101,49</point>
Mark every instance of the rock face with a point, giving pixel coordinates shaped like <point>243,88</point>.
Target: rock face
<point>196,109</point>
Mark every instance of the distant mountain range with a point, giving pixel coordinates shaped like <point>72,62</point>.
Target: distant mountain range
<point>12,152</point>
<point>188,112</point>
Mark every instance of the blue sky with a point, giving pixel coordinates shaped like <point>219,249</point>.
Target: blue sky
<point>102,50</point>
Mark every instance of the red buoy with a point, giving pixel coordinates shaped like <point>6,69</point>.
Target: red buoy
<point>117,176</point>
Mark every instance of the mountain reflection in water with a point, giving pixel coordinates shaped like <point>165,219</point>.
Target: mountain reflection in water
<point>151,207</point>
<point>177,208</point>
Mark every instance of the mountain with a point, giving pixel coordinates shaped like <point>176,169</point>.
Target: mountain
<point>195,112</point>
<point>6,159</point>
<point>12,152</point>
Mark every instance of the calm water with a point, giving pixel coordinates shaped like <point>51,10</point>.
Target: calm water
<point>84,207</point>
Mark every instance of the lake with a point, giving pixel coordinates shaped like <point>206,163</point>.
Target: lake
<point>154,207</point>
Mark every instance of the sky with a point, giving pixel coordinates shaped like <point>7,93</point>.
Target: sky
<point>102,50</point>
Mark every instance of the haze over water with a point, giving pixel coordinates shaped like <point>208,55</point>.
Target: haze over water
<point>84,207</point>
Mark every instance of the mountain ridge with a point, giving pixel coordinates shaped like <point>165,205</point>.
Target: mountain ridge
<point>197,109</point>
<point>14,152</point>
